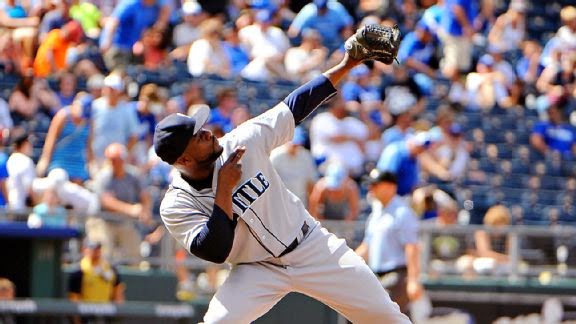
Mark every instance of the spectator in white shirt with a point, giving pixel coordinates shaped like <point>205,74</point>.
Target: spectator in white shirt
<point>266,45</point>
<point>21,174</point>
<point>337,136</point>
<point>188,31</point>
<point>207,55</point>
<point>306,61</point>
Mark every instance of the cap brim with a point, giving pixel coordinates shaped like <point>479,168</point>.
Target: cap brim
<point>201,116</point>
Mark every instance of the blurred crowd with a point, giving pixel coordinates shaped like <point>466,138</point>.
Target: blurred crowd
<point>479,111</point>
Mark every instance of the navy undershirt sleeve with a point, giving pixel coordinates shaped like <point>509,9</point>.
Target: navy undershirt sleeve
<point>215,239</point>
<point>309,96</point>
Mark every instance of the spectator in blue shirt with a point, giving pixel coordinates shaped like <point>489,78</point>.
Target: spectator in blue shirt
<point>125,27</point>
<point>236,53</point>
<point>360,89</point>
<point>456,33</point>
<point>400,108</point>
<point>555,134</point>
<point>329,18</point>
<point>222,114</point>
<point>401,159</point>
<point>416,52</point>
<point>528,67</point>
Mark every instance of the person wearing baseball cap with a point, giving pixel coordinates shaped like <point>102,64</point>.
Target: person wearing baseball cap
<point>226,203</point>
<point>390,245</point>
<point>400,108</point>
<point>401,158</point>
<point>94,280</point>
<point>173,134</point>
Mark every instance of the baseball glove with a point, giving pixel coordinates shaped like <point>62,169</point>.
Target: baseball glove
<point>374,42</point>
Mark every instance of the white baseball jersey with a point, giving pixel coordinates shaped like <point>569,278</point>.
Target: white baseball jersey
<point>271,217</point>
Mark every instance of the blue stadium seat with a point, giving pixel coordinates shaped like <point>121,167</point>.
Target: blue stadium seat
<point>552,183</point>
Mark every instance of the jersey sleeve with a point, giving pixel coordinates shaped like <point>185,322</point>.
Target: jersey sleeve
<point>268,130</point>
<point>180,217</point>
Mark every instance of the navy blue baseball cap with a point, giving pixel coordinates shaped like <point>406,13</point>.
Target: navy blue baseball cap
<point>173,133</point>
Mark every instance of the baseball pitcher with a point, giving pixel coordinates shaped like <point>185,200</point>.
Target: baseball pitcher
<point>228,204</point>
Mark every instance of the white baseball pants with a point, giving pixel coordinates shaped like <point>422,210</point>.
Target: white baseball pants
<point>322,267</point>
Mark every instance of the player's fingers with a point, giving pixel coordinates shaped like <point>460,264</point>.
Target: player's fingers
<point>236,155</point>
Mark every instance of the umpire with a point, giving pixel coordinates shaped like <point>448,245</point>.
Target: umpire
<point>390,245</point>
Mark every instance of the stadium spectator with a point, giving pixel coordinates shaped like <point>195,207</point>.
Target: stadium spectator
<point>416,52</point>
<point>71,195</point>
<point>509,30</point>
<point>21,174</point>
<point>55,18</point>
<point>188,31</point>
<point>359,92</point>
<point>400,108</point>
<point>124,29</point>
<point>7,291</point>
<point>558,77</point>
<point>113,118</point>
<point>95,280</point>
<point>237,54</point>
<point>49,212</point>
<point>390,245</point>
<point>266,45</point>
<point>94,85</point>
<point>67,145</point>
<point>555,134</point>
<point>207,55</point>
<point>148,109</point>
<point>503,66</point>
<point>10,22</point>
<point>401,159</point>
<point>487,87</point>
<point>306,61</point>
<point>295,165</point>
<point>336,136</point>
<point>329,18</point>
<point>490,252</point>
<point>121,191</point>
<point>456,34</point>
<point>528,67</point>
<point>567,32</point>
<point>400,83</point>
<point>67,89</point>
<point>446,161</point>
<point>89,16</point>
<point>51,55</point>
<point>221,115</point>
<point>29,97</point>
<point>151,50</point>
<point>335,196</point>
<point>192,94</point>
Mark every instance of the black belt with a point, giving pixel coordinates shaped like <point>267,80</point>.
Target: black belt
<point>295,243</point>
<point>397,269</point>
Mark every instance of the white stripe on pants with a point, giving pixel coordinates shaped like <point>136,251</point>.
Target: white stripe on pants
<point>322,267</point>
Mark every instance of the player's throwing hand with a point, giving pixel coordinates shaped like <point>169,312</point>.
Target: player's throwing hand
<point>231,170</point>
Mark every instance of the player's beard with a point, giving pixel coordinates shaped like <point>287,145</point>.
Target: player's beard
<point>212,157</point>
